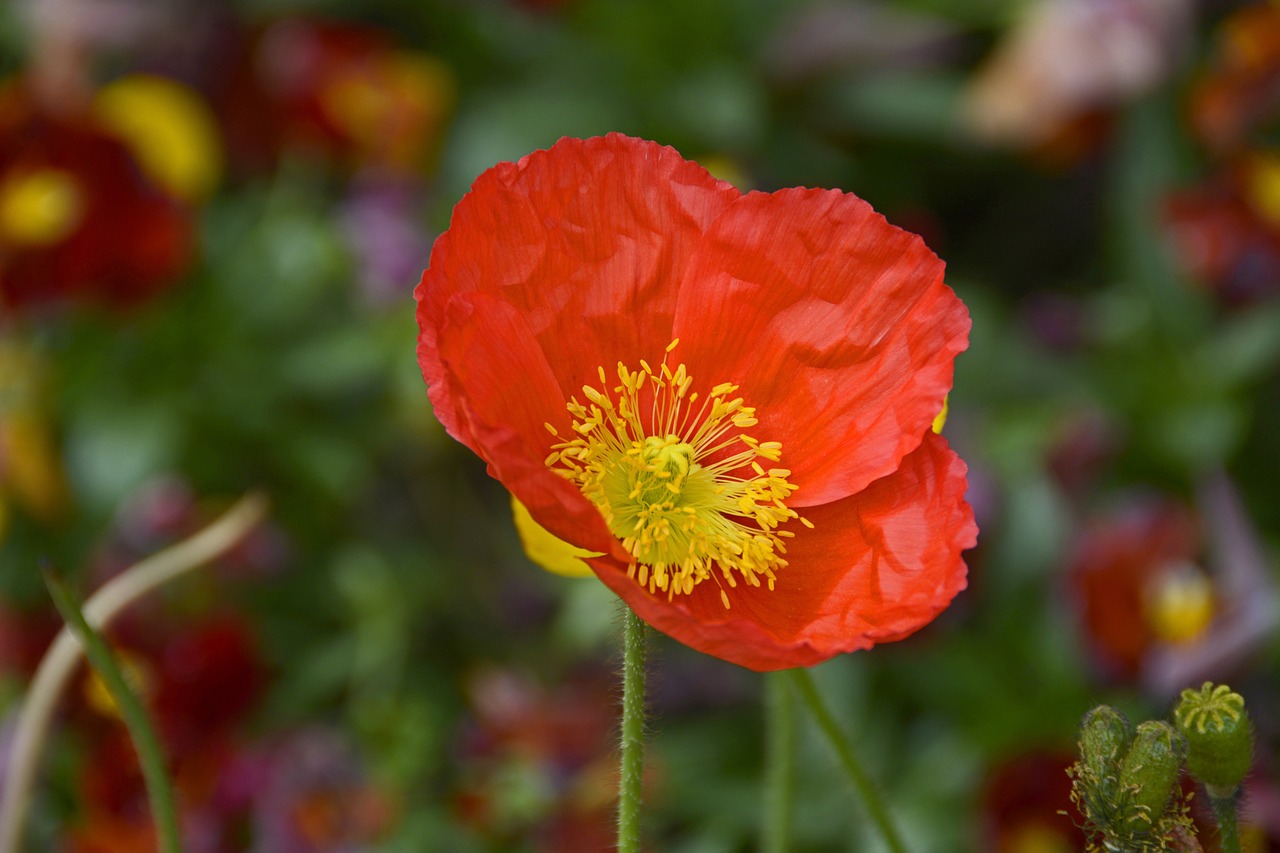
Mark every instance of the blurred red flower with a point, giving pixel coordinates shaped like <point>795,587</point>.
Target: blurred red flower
<point>341,91</point>
<point>752,331</point>
<point>201,682</point>
<point>1026,806</point>
<point>1137,585</point>
<point>78,218</point>
<point>1226,230</point>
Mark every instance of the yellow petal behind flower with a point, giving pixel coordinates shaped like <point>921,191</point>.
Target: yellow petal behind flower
<point>170,130</point>
<point>544,548</point>
<point>941,419</point>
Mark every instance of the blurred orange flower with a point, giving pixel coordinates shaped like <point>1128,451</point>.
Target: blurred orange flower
<point>349,93</point>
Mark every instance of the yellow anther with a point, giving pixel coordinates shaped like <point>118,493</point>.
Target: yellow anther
<point>679,486</point>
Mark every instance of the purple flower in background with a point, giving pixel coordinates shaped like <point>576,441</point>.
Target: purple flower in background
<point>382,223</point>
<point>310,793</point>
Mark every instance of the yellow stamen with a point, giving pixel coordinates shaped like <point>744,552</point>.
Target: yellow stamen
<point>677,481</point>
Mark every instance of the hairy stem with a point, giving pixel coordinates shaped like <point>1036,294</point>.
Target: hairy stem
<point>779,763</point>
<point>1224,812</point>
<point>630,781</point>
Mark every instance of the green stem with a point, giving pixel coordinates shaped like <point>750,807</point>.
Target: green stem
<point>631,779</point>
<point>875,806</point>
<point>779,763</point>
<point>1224,811</point>
<point>150,756</point>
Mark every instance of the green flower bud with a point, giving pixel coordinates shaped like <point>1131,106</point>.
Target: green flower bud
<point>1104,738</point>
<point>1219,737</point>
<point>1149,773</point>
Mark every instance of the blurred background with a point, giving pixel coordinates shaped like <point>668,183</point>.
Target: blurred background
<point>212,218</point>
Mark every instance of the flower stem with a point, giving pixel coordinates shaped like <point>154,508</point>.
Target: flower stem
<point>631,778</point>
<point>60,661</point>
<point>1224,811</point>
<point>779,763</point>
<point>875,806</point>
<point>145,741</point>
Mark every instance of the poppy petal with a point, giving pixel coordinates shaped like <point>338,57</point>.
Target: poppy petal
<point>486,344</point>
<point>877,566</point>
<point>585,240</point>
<point>836,326</point>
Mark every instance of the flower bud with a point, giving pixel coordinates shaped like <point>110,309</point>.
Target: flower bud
<point>1219,737</point>
<point>1104,738</point>
<point>1149,774</point>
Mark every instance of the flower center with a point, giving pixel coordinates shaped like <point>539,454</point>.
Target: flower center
<point>676,479</point>
<point>40,207</point>
<point>1179,604</point>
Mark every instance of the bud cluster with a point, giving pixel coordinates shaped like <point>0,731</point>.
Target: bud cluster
<point>1126,783</point>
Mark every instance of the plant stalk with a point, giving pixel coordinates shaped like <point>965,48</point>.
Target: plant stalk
<point>60,661</point>
<point>143,734</point>
<point>779,763</point>
<point>1224,812</point>
<point>631,777</point>
<point>875,806</point>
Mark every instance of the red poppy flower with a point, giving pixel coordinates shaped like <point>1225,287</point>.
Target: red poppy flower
<point>726,398</point>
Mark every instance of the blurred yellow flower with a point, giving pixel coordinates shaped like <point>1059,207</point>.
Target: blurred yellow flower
<point>393,107</point>
<point>170,130</point>
<point>30,471</point>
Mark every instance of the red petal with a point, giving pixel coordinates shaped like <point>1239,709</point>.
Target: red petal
<point>587,240</point>
<point>835,325</point>
<point>486,347</point>
<point>876,567</point>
